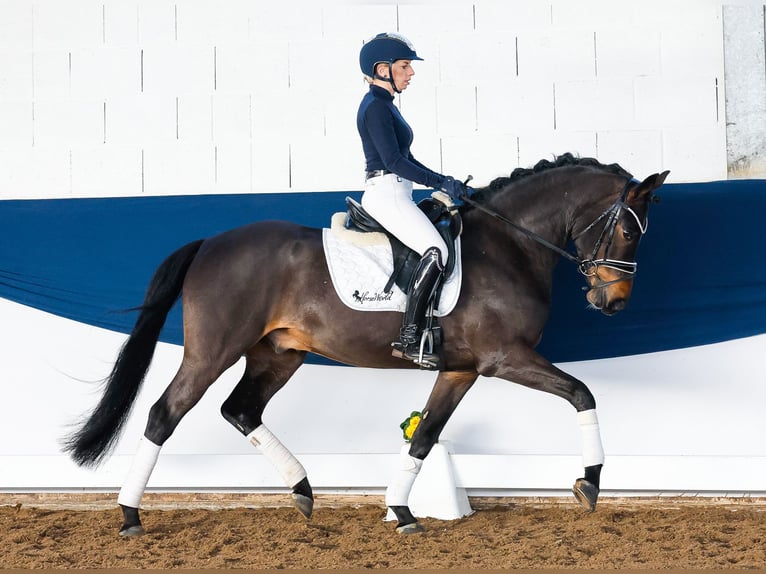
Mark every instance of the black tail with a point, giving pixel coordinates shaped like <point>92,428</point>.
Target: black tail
<point>95,439</point>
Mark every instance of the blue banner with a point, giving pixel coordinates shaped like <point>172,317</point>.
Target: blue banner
<point>701,275</point>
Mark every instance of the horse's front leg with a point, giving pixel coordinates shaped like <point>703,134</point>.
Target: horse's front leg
<point>449,389</point>
<point>528,368</point>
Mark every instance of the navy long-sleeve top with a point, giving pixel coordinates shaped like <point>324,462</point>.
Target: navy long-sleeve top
<point>386,139</point>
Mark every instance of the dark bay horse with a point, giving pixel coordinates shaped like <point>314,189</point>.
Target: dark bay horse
<point>264,291</point>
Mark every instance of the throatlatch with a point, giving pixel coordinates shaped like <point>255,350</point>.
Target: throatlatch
<point>419,337</point>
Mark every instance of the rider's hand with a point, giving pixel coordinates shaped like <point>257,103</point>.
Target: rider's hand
<point>454,188</point>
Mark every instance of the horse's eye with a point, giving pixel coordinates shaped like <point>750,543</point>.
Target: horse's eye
<point>628,234</point>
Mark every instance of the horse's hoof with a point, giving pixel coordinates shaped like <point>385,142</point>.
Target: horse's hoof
<point>411,528</point>
<point>586,494</point>
<point>304,504</point>
<point>135,530</point>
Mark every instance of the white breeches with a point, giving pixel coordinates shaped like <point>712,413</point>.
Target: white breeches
<point>388,198</point>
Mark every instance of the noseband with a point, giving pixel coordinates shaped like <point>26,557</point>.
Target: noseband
<point>588,266</point>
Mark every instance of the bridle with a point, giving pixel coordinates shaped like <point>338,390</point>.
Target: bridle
<point>588,266</point>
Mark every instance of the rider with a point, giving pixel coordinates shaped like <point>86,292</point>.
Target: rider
<point>386,62</point>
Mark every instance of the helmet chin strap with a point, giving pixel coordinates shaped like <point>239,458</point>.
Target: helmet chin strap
<point>389,79</point>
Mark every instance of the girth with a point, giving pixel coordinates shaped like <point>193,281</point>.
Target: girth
<point>446,220</point>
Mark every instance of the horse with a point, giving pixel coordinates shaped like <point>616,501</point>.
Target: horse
<point>263,291</point>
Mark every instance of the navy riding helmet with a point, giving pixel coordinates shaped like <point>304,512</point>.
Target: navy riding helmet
<point>386,48</point>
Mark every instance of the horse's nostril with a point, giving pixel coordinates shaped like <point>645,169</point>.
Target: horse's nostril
<point>617,305</point>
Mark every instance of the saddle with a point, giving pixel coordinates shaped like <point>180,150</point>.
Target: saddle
<point>442,213</point>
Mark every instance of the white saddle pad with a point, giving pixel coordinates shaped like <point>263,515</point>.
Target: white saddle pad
<point>361,264</point>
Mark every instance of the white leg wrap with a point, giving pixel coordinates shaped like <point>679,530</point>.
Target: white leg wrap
<point>288,466</point>
<point>398,491</point>
<point>592,450</point>
<point>143,464</point>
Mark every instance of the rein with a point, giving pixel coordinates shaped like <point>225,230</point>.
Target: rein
<point>586,266</point>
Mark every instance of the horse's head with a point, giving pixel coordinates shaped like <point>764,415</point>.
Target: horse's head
<point>607,246</point>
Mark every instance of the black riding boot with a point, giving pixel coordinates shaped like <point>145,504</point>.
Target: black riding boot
<point>422,286</point>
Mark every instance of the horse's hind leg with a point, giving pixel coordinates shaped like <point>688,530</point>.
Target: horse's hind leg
<point>265,373</point>
<point>186,389</point>
<point>449,389</point>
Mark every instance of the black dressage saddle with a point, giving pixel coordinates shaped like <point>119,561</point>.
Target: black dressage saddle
<point>445,218</point>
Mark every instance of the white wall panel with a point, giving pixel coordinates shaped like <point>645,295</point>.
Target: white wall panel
<point>106,170</point>
<point>179,168</point>
<point>675,102</point>
<point>16,81</point>
<point>245,68</point>
<point>690,52</point>
<point>300,115</point>
<point>156,22</point>
<point>106,72</point>
<point>357,21</point>
<point>285,19</point>
<point>22,174</point>
<point>628,52</point>
<point>323,65</point>
<point>233,167</point>
<point>340,109</point>
<point>141,119</point>
<point>270,163</point>
<point>67,25</point>
<point>15,124</point>
<point>211,22</point>
<point>64,122</point>
<point>231,118</point>
<point>501,16</point>
<point>51,74</point>
<point>534,146</point>
<point>327,164</point>
<point>483,157</point>
<point>695,153</point>
<point>562,54</point>
<point>16,25</point>
<point>594,104</point>
<point>638,151</point>
<point>178,69</point>
<point>121,23</point>
<point>448,17</point>
<point>161,66</point>
<point>509,104</point>
<point>456,108</point>
<point>195,118</point>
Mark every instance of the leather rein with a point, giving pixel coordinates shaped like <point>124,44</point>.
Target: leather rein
<point>586,266</point>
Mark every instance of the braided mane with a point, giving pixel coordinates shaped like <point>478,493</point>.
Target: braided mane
<point>564,160</point>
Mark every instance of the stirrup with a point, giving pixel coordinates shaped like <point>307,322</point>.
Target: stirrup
<point>423,355</point>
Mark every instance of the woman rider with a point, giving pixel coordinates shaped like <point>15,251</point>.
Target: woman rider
<point>386,62</point>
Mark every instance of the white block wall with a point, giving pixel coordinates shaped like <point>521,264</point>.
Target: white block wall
<point>131,97</point>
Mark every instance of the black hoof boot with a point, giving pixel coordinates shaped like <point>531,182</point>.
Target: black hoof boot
<point>303,498</point>
<point>131,523</point>
<point>406,523</point>
<point>586,489</point>
<point>586,494</point>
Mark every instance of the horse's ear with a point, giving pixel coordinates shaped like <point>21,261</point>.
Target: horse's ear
<point>647,186</point>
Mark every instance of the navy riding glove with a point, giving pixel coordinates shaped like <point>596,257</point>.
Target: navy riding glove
<point>454,188</point>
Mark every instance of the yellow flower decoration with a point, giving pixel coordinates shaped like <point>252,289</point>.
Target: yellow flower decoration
<point>410,424</point>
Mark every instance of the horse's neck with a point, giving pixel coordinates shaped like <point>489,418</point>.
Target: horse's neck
<point>540,209</point>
